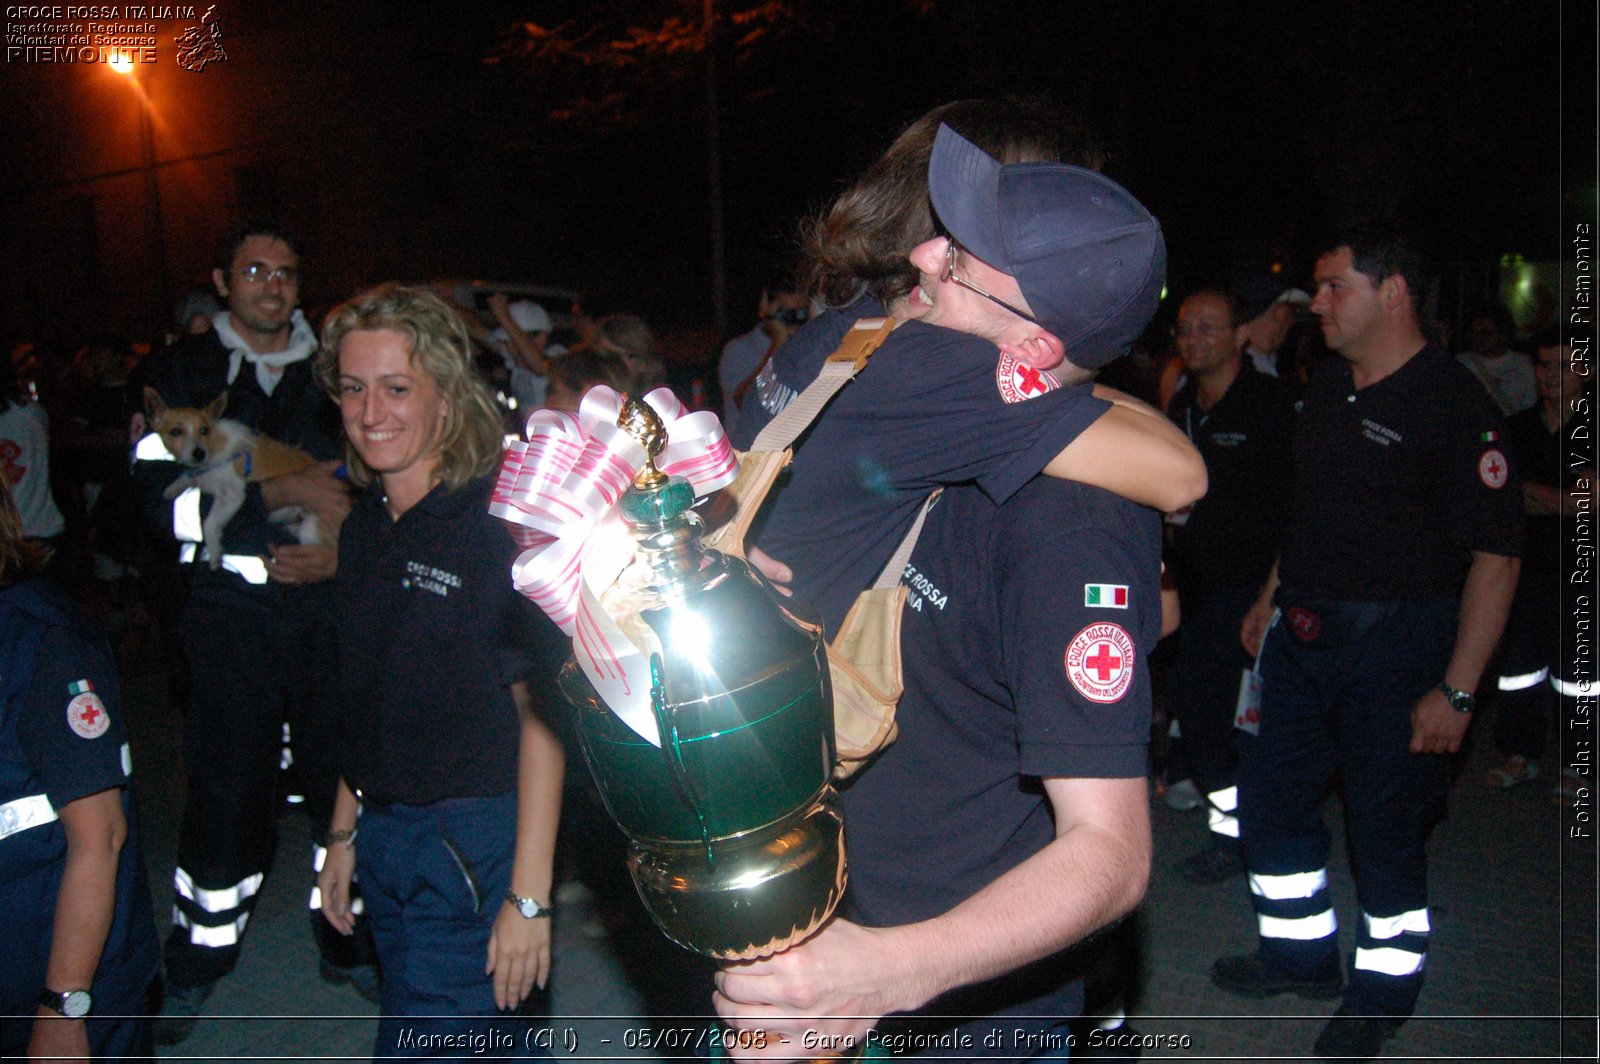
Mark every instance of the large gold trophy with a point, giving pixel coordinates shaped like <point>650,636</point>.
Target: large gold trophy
<point>703,706</point>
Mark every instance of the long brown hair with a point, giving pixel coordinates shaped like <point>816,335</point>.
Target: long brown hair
<point>860,243</point>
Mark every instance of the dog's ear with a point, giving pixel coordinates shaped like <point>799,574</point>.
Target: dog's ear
<point>215,408</point>
<point>154,405</point>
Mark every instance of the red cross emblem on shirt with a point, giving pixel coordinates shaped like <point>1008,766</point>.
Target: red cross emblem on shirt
<point>1492,469</point>
<point>1104,662</point>
<point>1099,662</point>
<point>87,717</point>
<point>1030,379</point>
<point>1018,382</point>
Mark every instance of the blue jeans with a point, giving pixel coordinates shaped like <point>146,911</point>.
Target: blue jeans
<point>433,878</point>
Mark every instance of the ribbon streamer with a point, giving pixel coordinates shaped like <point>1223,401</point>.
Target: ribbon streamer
<point>558,492</point>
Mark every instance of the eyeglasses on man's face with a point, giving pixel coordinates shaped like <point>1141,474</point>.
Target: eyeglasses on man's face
<point>949,274</point>
<point>261,273</point>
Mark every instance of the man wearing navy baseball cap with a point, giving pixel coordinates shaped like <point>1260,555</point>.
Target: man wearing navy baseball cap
<point>1073,262</point>
<point>1010,819</point>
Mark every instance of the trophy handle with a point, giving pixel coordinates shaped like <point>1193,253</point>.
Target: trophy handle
<point>672,753</point>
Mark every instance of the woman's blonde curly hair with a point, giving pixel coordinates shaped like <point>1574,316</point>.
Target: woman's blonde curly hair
<point>471,444</point>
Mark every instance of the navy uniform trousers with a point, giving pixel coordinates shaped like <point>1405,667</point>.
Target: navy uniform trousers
<point>259,657</point>
<point>1203,692</point>
<point>1342,702</point>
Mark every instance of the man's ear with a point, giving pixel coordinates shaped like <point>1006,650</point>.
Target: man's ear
<point>220,281</point>
<point>1035,347</point>
<point>1395,290</point>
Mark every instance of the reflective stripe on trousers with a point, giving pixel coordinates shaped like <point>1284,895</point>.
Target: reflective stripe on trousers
<point>1221,805</point>
<point>1294,906</point>
<point>203,903</point>
<point>1522,682</point>
<point>1393,945</point>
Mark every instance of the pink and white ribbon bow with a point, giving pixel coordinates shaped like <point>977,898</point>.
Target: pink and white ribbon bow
<point>558,493</point>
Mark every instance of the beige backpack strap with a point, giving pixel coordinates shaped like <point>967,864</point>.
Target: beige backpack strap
<point>890,576</point>
<point>862,339</point>
<point>757,472</point>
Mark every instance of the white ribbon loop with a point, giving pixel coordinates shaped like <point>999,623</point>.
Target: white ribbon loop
<point>558,493</point>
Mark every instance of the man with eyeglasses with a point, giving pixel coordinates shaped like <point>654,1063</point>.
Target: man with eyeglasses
<point>1223,547</point>
<point>256,627</point>
<point>1009,820</point>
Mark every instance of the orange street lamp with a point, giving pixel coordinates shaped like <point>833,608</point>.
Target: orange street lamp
<point>123,64</point>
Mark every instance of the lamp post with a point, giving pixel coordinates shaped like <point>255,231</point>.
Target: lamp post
<point>123,64</point>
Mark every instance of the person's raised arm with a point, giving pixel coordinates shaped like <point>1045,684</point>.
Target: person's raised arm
<point>1133,451</point>
<point>1092,873</point>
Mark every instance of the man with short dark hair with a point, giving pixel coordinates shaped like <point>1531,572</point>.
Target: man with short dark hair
<point>1223,547</point>
<point>1373,629</point>
<point>257,623</point>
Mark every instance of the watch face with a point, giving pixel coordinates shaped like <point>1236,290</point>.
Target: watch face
<point>73,1004</point>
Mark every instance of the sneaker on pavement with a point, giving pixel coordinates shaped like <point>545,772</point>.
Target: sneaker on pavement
<point>1214,864</point>
<point>1182,796</point>
<point>1249,976</point>
<point>180,1011</point>
<point>1517,769</point>
<point>1351,1037</point>
<point>364,977</point>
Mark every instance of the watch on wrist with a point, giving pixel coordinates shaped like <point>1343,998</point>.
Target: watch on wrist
<point>530,909</point>
<point>73,1004</point>
<point>1460,701</point>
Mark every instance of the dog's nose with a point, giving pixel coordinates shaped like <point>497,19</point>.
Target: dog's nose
<point>198,456</point>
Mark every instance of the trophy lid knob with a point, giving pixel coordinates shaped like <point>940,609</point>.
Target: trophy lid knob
<point>641,422</point>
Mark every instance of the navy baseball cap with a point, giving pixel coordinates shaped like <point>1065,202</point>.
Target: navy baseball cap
<point>1090,260</point>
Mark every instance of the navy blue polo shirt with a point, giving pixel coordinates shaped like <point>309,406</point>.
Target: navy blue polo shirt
<point>431,635</point>
<point>1397,484</point>
<point>933,407</point>
<point>1025,643</point>
<point>1232,536</point>
<point>71,727</point>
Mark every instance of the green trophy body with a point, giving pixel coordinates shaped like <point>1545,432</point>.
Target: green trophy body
<point>736,840</point>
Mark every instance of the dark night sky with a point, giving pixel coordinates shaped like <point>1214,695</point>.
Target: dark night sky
<point>1243,125</point>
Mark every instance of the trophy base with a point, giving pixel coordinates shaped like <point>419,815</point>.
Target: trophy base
<point>763,892</point>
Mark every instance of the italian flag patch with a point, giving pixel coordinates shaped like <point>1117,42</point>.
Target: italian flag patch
<point>80,687</point>
<point>1106,596</point>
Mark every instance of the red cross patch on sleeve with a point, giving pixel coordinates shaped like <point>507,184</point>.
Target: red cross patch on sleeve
<point>1018,382</point>
<point>87,717</point>
<point>1100,662</point>
<point>1492,469</point>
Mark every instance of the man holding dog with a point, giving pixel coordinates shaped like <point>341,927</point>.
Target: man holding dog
<point>256,627</point>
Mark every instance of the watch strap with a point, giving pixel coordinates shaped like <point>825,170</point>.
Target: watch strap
<point>65,1002</point>
<point>524,905</point>
<point>1460,701</point>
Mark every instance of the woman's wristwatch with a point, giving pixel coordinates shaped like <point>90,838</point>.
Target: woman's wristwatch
<point>529,908</point>
<point>73,1004</point>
